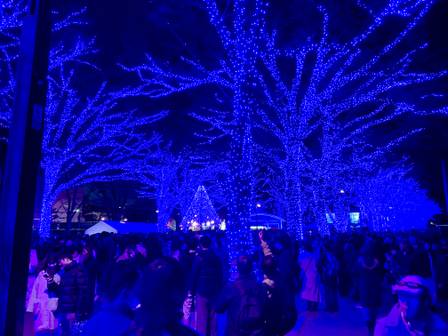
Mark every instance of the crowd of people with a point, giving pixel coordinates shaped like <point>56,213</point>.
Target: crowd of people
<point>178,283</point>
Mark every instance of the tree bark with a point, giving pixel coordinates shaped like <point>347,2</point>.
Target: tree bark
<point>46,215</point>
<point>294,209</point>
<point>241,180</point>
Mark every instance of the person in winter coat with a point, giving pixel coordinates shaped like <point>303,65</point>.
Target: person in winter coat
<point>33,270</point>
<point>89,265</point>
<point>370,282</point>
<point>329,268</point>
<point>206,283</point>
<point>412,315</point>
<point>279,306</point>
<point>72,292</point>
<point>116,314</point>
<point>404,258</point>
<point>161,292</point>
<point>43,300</point>
<point>311,284</point>
<point>278,284</point>
<point>243,301</point>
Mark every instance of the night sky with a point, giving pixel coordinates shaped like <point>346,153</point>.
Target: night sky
<point>168,29</point>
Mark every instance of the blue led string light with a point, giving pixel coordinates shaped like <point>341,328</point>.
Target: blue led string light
<point>348,93</point>
<point>240,32</point>
<point>173,180</point>
<point>90,140</point>
<point>390,199</point>
<point>12,13</point>
<point>201,214</point>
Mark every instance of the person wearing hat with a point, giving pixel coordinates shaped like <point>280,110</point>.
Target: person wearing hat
<point>412,315</point>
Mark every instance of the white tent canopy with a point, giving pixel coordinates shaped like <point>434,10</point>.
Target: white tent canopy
<point>100,227</point>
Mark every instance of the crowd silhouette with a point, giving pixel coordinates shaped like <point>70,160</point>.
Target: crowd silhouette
<point>184,284</point>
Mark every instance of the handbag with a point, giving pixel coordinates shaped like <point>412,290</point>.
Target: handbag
<point>53,304</point>
<point>189,312</point>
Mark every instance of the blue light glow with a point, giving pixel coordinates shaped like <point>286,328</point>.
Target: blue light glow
<point>339,91</point>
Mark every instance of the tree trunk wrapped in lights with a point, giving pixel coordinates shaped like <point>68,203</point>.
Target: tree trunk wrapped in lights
<point>239,29</point>
<point>338,93</point>
<point>392,200</point>
<point>90,140</point>
<point>86,138</point>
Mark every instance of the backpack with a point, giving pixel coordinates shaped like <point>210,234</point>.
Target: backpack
<point>250,316</point>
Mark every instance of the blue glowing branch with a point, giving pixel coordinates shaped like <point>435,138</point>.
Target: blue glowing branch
<point>11,19</point>
<point>347,93</point>
<point>91,140</point>
<point>174,178</point>
<point>240,29</point>
<point>78,53</point>
<point>160,82</point>
<point>73,20</point>
<point>338,93</point>
<point>391,200</point>
<point>12,13</point>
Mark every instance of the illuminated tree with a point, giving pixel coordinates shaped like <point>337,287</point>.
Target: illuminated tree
<point>163,184</point>
<point>239,30</point>
<point>174,179</point>
<point>390,199</point>
<point>90,139</point>
<point>12,14</point>
<point>201,213</point>
<point>11,19</point>
<point>320,115</point>
<point>270,183</point>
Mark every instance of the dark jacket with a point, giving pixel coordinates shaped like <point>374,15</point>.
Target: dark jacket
<point>370,282</point>
<point>279,307</point>
<point>73,290</point>
<point>231,301</point>
<point>90,268</point>
<point>392,325</point>
<point>206,276</point>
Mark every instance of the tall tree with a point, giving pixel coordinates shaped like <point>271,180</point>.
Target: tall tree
<point>174,179</point>
<point>390,199</point>
<point>90,139</point>
<point>12,13</point>
<point>239,29</point>
<point>321,114</point>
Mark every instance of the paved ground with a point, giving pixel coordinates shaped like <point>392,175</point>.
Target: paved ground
<point>349,321</point>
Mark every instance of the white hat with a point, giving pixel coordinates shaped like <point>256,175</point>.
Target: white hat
<point>415,284</point>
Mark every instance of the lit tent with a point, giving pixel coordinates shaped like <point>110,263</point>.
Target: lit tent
<point>99,228</point>
<point>121,228</point>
